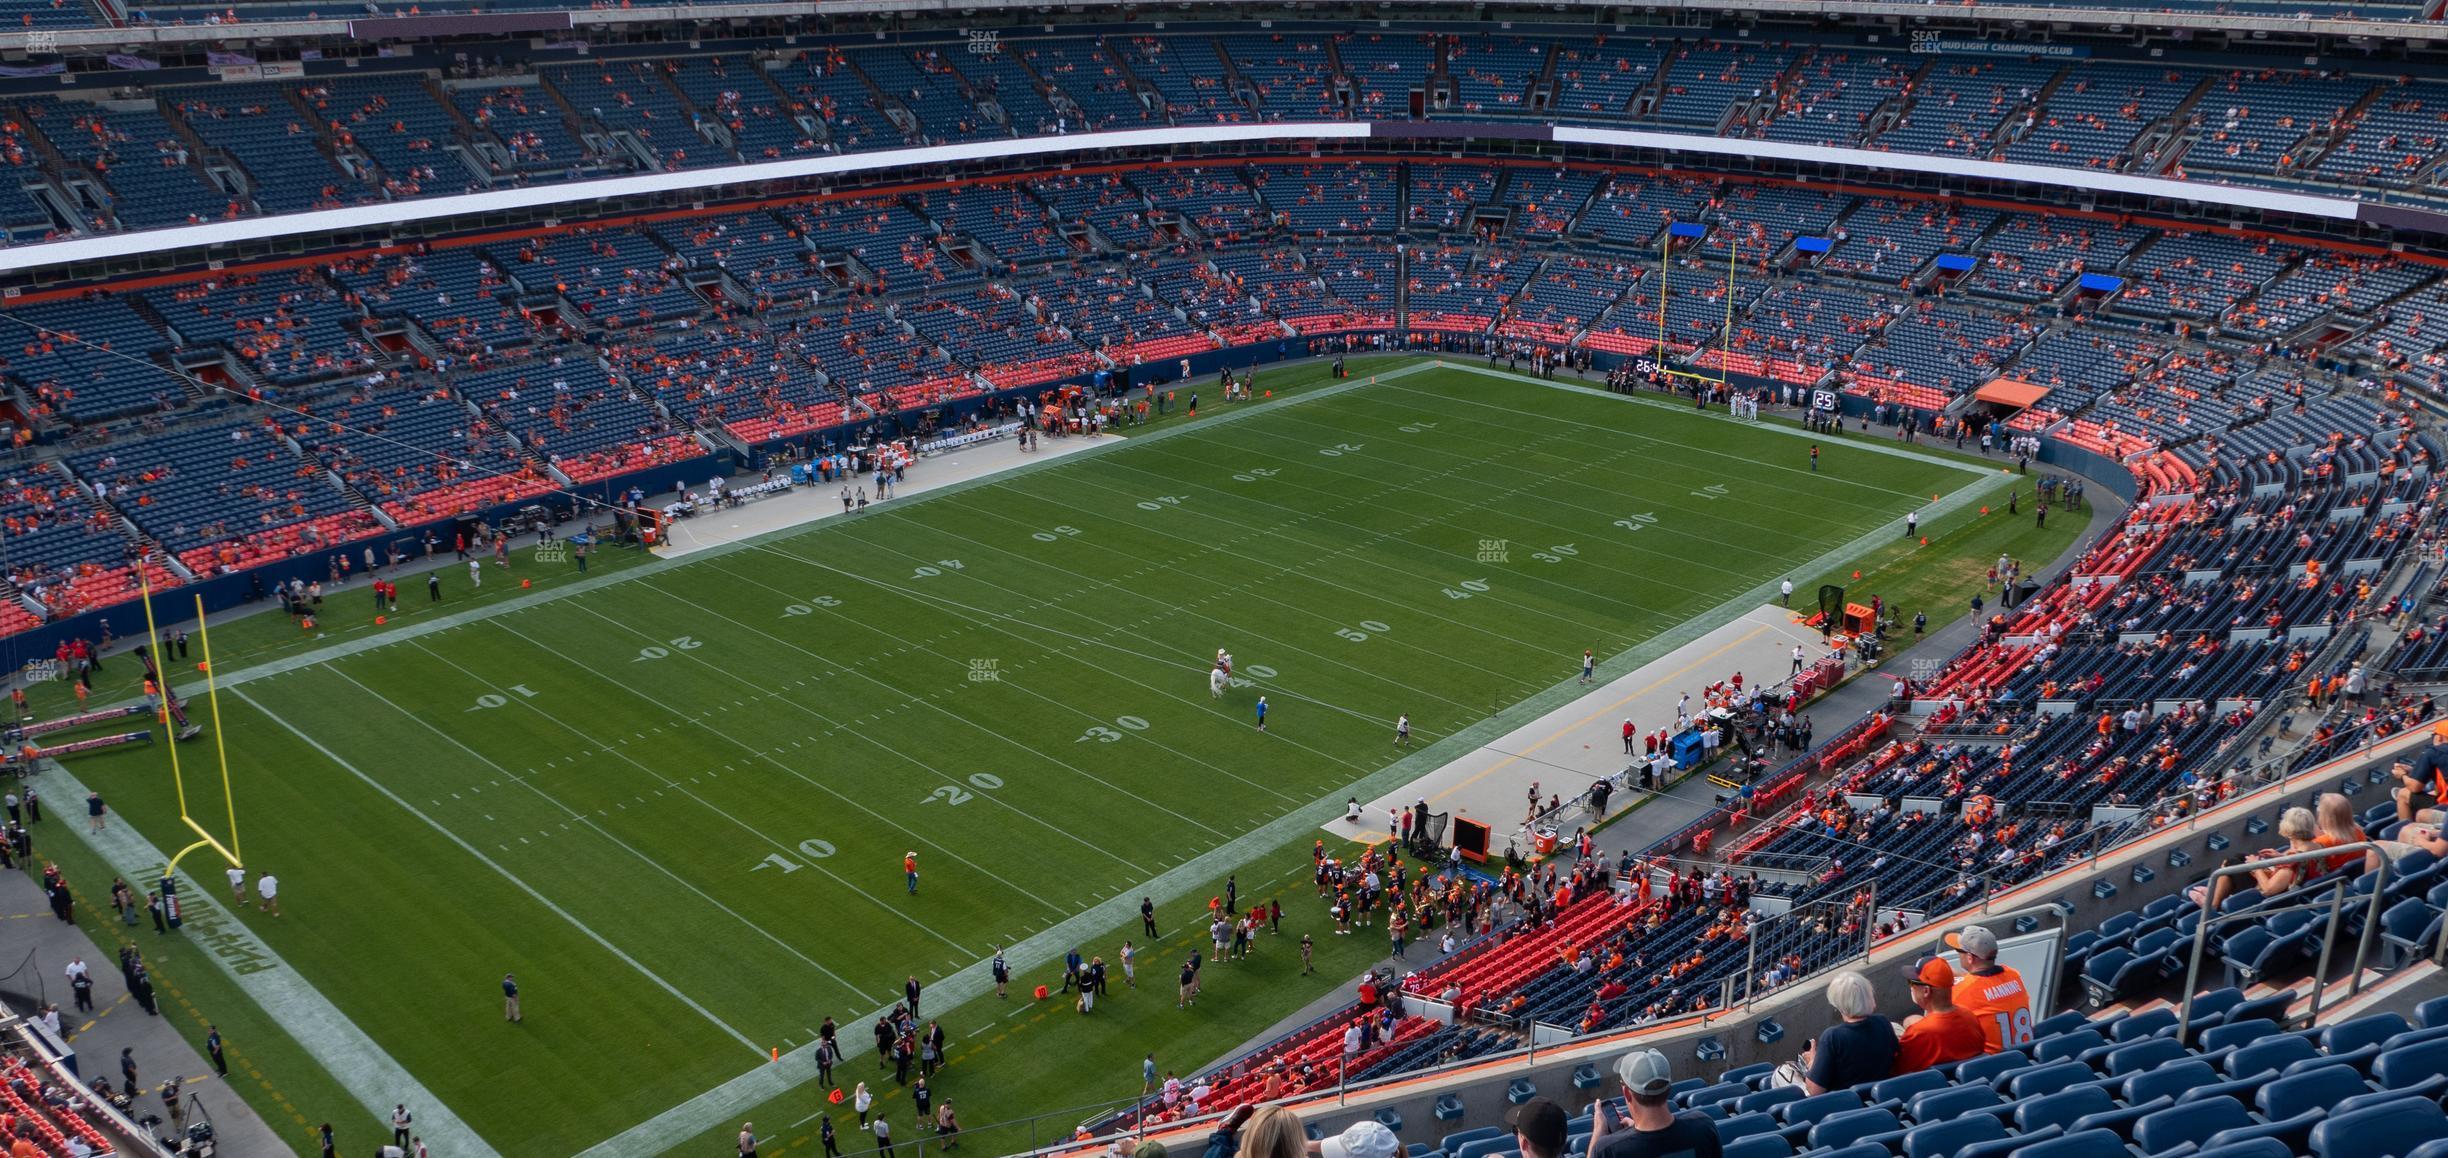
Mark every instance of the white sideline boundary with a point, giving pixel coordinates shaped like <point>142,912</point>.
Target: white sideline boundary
<point>733,1099</point>
<point>361,1066</point>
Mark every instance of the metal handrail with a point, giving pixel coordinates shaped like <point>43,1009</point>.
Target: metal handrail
<point>2334,905</point>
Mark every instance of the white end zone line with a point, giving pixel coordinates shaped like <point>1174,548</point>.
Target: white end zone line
<point>353,1059</point>
<point>728,1102</point>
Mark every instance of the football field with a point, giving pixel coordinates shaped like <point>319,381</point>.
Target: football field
<point>675,800</point>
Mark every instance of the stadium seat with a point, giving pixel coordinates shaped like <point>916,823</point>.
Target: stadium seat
<point>2408,1066</point>
<point>1903,1086</point>
<point>1766,1100</point>
<point>2370,1029</point>
<point>2385,1131</point>
<point>2235,1033</point>
<point>1707,1095</point>
<point>2259,1148</point>
<point>2143,1025</point>
<point>2189,1122</point>
<point>2067,1045</point>
<point>2272,1008</point>
<point>1745,1125</point>
<point>2079,1144</point>
<point>2066,1022</point>
<point>1988,1066</point>
<point>1807,1111</point>
<point>2062,1108</point>
<point>2143,1055</point>
<point>1941,1139</point>
<point>2432,1014</point>
<point>2171,1080</point>
<point>2035,1080</point>
<point>2269,1054</point>
<point>2313,1090</point>
<point>2119,1120</point>
<point>1940,1105</point>
<point>1759,1146</point>
<point>1850,1126</point>
<point>1452,1143</point>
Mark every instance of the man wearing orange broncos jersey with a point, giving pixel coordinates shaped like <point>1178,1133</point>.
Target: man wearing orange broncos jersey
<point>1992,993</point>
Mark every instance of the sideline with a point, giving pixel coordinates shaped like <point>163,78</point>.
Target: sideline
<point>661,563</point>
<point>734,1099</point>
<point>327,1035</point>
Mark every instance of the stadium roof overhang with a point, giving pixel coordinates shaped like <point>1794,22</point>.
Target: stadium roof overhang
<point>1018,12</point>
<point>583,198</point>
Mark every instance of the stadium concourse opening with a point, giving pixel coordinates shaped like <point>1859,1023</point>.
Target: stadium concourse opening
<point>772,574</point>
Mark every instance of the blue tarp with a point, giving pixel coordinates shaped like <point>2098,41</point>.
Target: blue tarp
<point>1955,263</point>
<point>1812,244</point>
<point>2100,283</point>
<point>1687,229</point>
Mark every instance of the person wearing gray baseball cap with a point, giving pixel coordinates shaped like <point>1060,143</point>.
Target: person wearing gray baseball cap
<point>1653,1129</point>
<point>1993,994</point>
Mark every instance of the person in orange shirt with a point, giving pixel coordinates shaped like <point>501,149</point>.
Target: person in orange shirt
<point>909,871</point>
<point>1942,1033</point>
<point>1991,993</point>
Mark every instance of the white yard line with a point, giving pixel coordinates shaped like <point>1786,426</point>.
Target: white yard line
<point>347,1053</point>
<point>730,1100</point>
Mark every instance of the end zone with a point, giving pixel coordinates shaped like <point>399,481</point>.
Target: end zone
<point>1568,749</point>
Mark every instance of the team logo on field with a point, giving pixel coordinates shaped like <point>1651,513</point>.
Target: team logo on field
<point>1495,551</point>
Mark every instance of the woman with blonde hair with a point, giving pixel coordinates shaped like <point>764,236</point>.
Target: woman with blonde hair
<point>2299,828</point>
<point>2335,825</point>
<point>1261,1132</point>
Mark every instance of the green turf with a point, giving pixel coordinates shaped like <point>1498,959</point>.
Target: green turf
<point>711,770</point>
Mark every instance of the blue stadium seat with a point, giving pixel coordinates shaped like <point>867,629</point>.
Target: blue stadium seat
<point>1759,1146</point>
<point>2120,1120</point>
<point>1811,1109</point>
<point>2190,1122</point>
<point>2269,1054</point>
<point>2258,1148</point>
<point>2412,1065</point>
<point>1767,1099</point>
<point>2432,1014</point>
<point>2080,1144</point>
<point>2144,1055</point>
<point>1941,1139</point>
<point>2066,1022</point>
<point>1452,1143</point>
<point>1745,1125</point>
<point>2271,1008</point>
<point>2314,1090</point>
<point>2031,1081</point>
<point>2370,1029</point>
<point>2143,1025</point>
<point>1989,1066</point>
<point>2385,1131</point>
<point>1850,1126</point>
<point>2067,1045</point>
<point>1903,1086</point>
<point>2062,1108</point>
<point>2171,1080</point>
<point>2235,1033</point>
<point>1711,1095</point>
<point>1749,1075</point>
<point>1940,1105</point>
